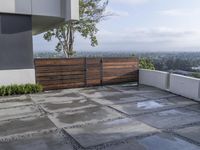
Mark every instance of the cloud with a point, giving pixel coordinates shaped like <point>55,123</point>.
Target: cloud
<point>180,12</point>
<point>117,13</point>
<point>149,34</point>
<point>162,38</point>
<point>130,2</point>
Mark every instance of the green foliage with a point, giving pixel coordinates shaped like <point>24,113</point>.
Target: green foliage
<point>167,61</point>
<point>20,89</point>
<point>196,75</point>
<point>146,64</point>
<point>91,13</point>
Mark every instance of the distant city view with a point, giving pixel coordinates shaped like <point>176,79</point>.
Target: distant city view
<point>185,63</point>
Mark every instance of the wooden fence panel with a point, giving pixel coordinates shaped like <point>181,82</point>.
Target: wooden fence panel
<point>93,71</point>
<point>117,70</point>
<point>80,72</point>
<point>56,74</point>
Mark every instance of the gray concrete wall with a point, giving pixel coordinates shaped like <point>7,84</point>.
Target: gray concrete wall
<point>18,20</point>
<point>16,42</point>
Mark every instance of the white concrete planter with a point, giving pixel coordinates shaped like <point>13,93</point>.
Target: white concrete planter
<point>185,86</point>
<point>154,78</point>
<point>21,76</point>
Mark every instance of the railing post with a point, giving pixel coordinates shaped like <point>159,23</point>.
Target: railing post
<point>138,77</point>
<point>85,70</point>
<point>138,73</point>
<point>101,71</point>
<point>35,71</point>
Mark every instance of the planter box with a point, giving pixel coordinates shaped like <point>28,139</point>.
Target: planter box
<point>154,78</point>
<point>21,76</point>
<point>185,86</point>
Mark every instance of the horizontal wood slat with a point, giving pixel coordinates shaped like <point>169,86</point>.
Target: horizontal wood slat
<point>119,67</point>
<point>58,62</point>
<point>60,69</point>
<point>113,60</point>
<point>119,63</point>
<point>48,74</point>
<point>64,86</point>
<point>80,72</point>
<point>71,77</point>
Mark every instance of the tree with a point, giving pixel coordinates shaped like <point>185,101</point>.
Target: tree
<point>146,64</point>
<point>91,13</point>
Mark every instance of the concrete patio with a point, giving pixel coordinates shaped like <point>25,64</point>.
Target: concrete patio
<point>118,117</point>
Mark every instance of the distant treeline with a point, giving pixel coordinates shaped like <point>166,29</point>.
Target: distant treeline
<point>164,61</point>
<point>173,61</point>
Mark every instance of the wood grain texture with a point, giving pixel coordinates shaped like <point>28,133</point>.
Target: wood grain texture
<point>56,74</point>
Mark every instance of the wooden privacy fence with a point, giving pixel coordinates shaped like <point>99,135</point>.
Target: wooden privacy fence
<point>81,72</point>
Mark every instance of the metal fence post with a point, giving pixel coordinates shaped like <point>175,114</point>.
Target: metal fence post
<point>85,70</point>
<point>101,71</point>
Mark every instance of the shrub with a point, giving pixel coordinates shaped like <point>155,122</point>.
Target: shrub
<point>196,75</point>
<point>146,64</point>
<point>20,89</point>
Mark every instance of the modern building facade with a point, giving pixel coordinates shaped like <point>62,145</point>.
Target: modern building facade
<point>19,20</point>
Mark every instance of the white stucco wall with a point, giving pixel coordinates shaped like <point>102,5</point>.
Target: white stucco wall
<point>22,76</point>
<point>66,9</point>
<point>154,78</point>
<point>72,9</point>
<point>15,6</point>
<point>46,7</point>
<point>185,86</point>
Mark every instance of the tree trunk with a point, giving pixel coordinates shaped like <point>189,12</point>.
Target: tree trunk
<point>71,39</point>
<point>69,42</point>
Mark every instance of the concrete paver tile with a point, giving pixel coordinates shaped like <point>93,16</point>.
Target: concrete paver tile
<point>93,135</point>
<point>84,116</point>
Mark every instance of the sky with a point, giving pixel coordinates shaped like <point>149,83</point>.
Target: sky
<point>142,25</point>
